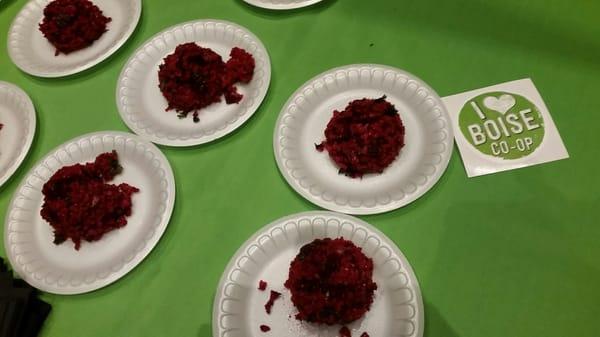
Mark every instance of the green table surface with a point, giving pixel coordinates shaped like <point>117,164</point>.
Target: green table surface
<point>511,254</point>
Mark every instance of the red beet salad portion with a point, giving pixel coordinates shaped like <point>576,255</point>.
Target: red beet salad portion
<point>331,282</point>
<point>71,25</point>
<point>80,205</point>
<point>193,77</point>
<point>364,138</point>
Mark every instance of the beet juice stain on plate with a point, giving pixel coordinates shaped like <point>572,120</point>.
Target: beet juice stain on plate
<point>382,136</point>
<point>64,37</point>
<point>217,71</point>
<point>386,288</point>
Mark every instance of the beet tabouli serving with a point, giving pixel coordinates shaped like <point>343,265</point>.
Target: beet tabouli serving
<point>193,77</point>
<point>80,205</point>
<point>71,25</point>
<point>331,282</point>
<point>364,138</point>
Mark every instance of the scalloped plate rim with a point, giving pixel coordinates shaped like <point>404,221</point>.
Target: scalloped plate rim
<point>362,210</point>
<point>90,64</point>
<point>30,134</point>
<point>127,267</point>
<point>206,138</point>
<point>405,264</point>
<point>262,4</point>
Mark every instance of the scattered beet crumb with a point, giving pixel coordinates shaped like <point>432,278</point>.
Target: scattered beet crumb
<point>345,332</point>
<point>262,285</point>
<point>193,77</point>
<point>274,296</point>
<point>1,126</point>
<point>265,328</point>
<point>364,334</point>
<point>365,137</point>
<point>71,25</point>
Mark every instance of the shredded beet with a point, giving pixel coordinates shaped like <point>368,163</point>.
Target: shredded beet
<point>262,285</point>
<point>71,25</point>
<point>366,137</point>
<point>345,332</point>
<point>265,328</point>
<point>364,334</point>
<point>80,205</point>
<point>331,282</point>
<point>240,67</point>
<point>193,77</point>
<point>274,296</point>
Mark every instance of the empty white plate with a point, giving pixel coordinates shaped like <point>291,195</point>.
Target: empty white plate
<point>32,53</point>
<point>18,116</point>
<point>238,310</point>
<point>282,4</point>
<point>142,105</point>
<point>60,269</point>
<point>420,164</point>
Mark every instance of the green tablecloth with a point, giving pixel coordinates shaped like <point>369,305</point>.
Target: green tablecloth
<point>512,254</point>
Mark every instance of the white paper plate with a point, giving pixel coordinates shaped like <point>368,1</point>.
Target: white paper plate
<point>32,53</point>
<point>314,175</point>
<point>18,116</point>
<point>238,309</point>
<point>282,4</point>
<point>61,269</point>
<point>142,105</point>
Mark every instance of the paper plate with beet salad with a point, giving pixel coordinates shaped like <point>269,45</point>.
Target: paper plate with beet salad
<point>318,274</point>
<point>193,83</point>
<point>282,4</point>
<point>363,139</point>
<point>17,128</point>
<point>89,212</point>
<point>54,38</point>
